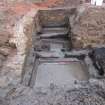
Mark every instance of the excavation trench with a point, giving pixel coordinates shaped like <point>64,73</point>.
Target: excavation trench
<point>51,60</point>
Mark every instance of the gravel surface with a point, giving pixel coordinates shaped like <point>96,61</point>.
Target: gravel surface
<point>91,93</point>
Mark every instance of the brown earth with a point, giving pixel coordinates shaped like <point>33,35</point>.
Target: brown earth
<point>89,28</point>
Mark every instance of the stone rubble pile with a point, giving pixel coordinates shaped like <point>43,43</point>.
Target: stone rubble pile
<point>89,28</point>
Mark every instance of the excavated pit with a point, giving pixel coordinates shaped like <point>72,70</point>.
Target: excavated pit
<point>51,59</point>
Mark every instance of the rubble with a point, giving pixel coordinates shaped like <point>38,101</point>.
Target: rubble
<point>88,94</point>
<point>88,30</point>
<point>98,57</point>
<point>4,50</point>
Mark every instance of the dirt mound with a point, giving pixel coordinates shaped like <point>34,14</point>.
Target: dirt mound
<point>89,29</point>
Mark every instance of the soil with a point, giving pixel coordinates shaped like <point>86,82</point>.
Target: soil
<point>14,93</point>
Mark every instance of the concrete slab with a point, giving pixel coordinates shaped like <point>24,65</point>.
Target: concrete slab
<point>54,29</point>
<point>60,73</point>
<point>52,46</point>
<point>54,35</point>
